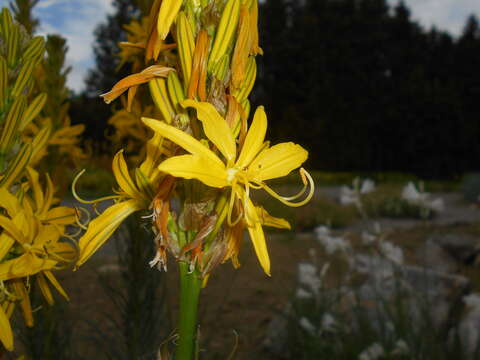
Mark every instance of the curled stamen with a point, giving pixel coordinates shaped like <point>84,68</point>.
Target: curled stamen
<point>78,218</point>
<point>79,199</point>
<point>285,200</point>
<point>255,186</point>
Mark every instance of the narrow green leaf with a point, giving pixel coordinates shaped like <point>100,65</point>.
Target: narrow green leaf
<point>33,110</point>
<point>17,166</point>
<point>23,77</point>
<point>12,123</point>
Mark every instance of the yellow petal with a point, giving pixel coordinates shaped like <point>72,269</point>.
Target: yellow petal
<point>6,334</point>
<point>24,265</point>
<point>215,127</point>
<point>168,12</point>
<point>25,304</point>
<point>49,192</point>
<point>6,242</point>
<point>184,140</point>
<point>254,139</point>
<point>11,228</point>
<point>64,251</point>
<point>45,289</point>
<point>195,167</point>
<point>61,215</point>
<point>56,284</point>
<point>154,152</point>
<point>100,229</point>
<point>257,236</point>
<point>268,220</point>
<point>277,161</point>
<point>70,131</point>
<point>35,184</point>
<point>9,202</point>
<point>120,171</point>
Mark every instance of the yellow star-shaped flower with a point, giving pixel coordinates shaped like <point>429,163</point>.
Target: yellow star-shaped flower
<point>256,162</point>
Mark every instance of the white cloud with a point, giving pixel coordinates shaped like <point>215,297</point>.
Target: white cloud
<point>447,15</point>
<point>46,3</point>
<point>75,20</point>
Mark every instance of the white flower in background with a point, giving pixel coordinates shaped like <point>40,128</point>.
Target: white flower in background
<point>368,186</point>
<point>391,252</point>
<point>348,196</point>
<point>322,230</point>
<point>468,329</point>
<point>379,268</point>
<point>373,352</point>
<point>472,301</point>
<point>437,205</point>
<point>351,195</point>
<point>411,194</point>
<point>306,325</point>
<point>329,324</point>
<point>307,276</point>
<point>331,243</point>
<point>422,199</point>
<point>401,348</point>
<point>303,294</point>
<point>368,238</point>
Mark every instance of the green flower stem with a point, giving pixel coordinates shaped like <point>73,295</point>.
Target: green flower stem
<point>190,285</point>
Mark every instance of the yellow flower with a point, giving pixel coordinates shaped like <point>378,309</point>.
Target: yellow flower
<point>30,245</point>
<point>255,163</point>
<point>132,197</point>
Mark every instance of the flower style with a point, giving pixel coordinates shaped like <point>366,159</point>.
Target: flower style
<point>256,163</point>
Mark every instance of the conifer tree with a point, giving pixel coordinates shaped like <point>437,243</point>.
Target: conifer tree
<point>22,11</point>
<point>105,72</point>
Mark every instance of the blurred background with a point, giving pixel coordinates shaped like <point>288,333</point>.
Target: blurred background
<point>382,264</point>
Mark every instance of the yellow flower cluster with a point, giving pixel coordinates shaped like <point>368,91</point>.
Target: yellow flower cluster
<point>205,156</point>
<point>33,238</point>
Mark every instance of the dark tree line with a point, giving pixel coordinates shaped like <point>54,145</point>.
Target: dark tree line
<point>357,82</point>
<point>365,88</point>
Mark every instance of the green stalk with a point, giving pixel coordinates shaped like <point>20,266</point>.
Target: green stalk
<point>190,285</point>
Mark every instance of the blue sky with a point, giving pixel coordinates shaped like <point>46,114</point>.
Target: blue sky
<point>76,20</point>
